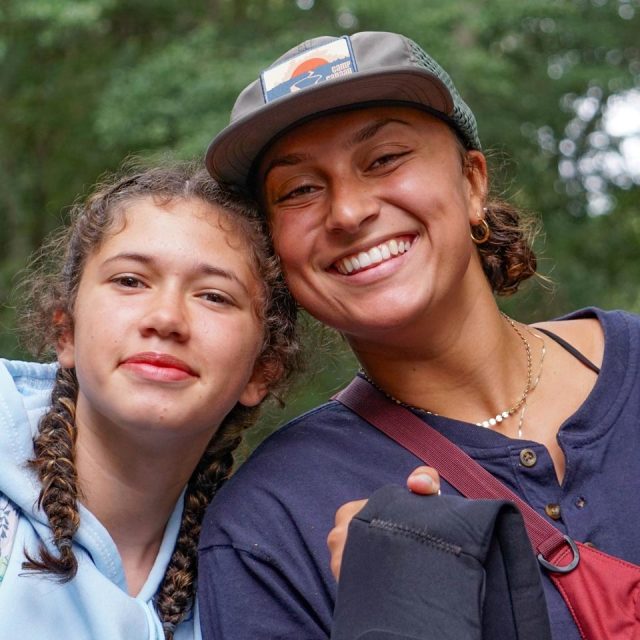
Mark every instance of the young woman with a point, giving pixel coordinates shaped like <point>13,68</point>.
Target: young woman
<point>368,164</point>
<point>171,324</point>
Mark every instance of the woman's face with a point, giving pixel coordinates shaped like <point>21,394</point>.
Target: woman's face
<point>165,333</point>
<point>370,213</point>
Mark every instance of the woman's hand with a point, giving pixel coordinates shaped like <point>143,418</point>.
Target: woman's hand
<point>423,480</point>
<point>337,537</point>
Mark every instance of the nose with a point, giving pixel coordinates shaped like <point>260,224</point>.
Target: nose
<point>166,317</point>
<point>352,206</point>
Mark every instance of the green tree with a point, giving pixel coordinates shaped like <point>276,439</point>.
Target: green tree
<point>85,83</point>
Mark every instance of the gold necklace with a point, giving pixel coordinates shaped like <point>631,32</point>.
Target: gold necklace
<point>507,413</point>
<point>543,351</point>
<point>502,415</point>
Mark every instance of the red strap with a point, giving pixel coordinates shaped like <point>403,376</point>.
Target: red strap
<point>453,464</point>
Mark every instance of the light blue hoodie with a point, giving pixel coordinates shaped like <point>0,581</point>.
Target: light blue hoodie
<point>94,605</point>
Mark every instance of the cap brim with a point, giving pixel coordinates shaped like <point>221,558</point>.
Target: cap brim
<point>234,150</point>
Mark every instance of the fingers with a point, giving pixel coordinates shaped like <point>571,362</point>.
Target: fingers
<point>424,480</point>
<point>337,537</point>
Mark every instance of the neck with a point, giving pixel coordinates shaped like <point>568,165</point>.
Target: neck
<point>464,365</point>
<point>132,491</point>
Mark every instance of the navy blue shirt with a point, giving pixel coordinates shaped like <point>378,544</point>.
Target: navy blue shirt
<point>264,564</point>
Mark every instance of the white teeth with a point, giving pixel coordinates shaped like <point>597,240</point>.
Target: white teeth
<point>364,259</point>
<point>375,255</point>
<point>346,265</point>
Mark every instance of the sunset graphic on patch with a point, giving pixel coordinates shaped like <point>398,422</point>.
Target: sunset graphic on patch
<point>326,62</point>
<point>308,65</point>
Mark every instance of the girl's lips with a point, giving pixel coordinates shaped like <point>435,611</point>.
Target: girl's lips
<point>158,366</point>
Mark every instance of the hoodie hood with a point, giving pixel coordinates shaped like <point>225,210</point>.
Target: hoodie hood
<point>25,394</point>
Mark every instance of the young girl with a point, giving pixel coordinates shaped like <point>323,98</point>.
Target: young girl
<point>171,324</point>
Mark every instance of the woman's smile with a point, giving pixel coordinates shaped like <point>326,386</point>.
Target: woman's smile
<point>370,258</point>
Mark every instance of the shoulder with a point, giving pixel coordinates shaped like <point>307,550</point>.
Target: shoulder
<point>302,473</point>
<point>319,429</point>
<point>313,440</point>
<point>25,389</point>
<point>28,377</point>
<point>589,330</point>
<point>277,479</point>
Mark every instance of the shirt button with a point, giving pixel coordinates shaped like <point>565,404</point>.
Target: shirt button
<point>528,457</point>
<point>553,511</point>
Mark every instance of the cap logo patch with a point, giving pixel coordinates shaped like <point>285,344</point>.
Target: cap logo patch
<point>309,68</point>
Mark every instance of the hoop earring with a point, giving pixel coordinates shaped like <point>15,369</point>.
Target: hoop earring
<point>486,232</point>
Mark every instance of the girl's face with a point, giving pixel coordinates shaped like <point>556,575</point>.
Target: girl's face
<point>370,213</point>
<point>165,333</point>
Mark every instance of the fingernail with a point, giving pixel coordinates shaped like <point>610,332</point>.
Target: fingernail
<point>424,480</point>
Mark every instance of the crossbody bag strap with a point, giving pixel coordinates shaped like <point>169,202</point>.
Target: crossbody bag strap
<point>453,464</point>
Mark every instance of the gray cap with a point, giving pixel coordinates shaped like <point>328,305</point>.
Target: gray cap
<point>329,74</point>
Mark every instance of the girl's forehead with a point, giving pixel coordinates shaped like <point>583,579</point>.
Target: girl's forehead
<point>189,222</point>
<point>152,208</point>
<point>169,204</point>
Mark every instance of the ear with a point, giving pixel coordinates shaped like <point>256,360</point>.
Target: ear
<point>475,172</point>
<point>65,348</point>
<point>257,387</point>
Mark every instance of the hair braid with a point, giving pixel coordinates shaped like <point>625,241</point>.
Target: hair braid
<point>175,596</point>
<point>54,461</point>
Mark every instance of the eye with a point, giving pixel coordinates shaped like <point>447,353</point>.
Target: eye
<point>386,160</point>
<point>128,282</point>
<point>297,192</point>
<point>216,298</point>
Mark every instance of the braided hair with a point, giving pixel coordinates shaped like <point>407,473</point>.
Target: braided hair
<point>54,459</point>
<point>49,294</point>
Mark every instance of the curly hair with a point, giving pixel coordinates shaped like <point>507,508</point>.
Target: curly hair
<point>50,292</point>
<point>507,254</point>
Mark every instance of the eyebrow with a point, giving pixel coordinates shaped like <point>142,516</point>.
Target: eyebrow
<point>361,135</point>
<point>370,130</point>
<point>202,268</point>
<point>289,160</point>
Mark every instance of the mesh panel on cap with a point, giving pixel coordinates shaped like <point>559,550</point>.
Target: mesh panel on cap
<point>461,115</point>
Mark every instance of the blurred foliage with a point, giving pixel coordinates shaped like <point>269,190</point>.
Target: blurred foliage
<point>84,83</point>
